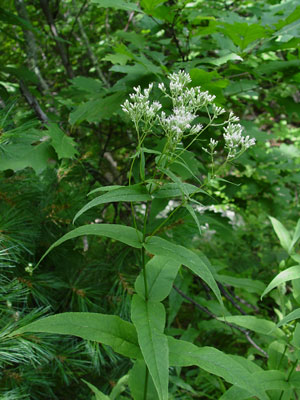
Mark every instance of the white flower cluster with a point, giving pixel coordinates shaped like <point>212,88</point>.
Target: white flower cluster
<point>235,142</point>
<point>192,99</point>
<point>179,124</point>
<point>140,108</point>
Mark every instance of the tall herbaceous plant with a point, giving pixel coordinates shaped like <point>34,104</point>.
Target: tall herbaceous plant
<point>151,176</point>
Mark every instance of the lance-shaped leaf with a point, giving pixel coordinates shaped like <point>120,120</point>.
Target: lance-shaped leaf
<point>184,354</point>
<point>158,246</point>
<point>126,193</point>
<point>107,329</point>
<point>173,190</point>
<point>124,234</point>
<point>269,380</point>
<point>161,273</point>
<point>290,317</point>
<point>98,394</point>
<point>284,276</point>
<point>149,319</point>
<point>296,236</point>
<point>282,233</point>
<point>255,324</point>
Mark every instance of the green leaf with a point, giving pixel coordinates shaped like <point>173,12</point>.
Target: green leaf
<point>282,234</point>
<point>149,319</point>
<point>63,144</point>
<point>137,382</point>
<point>88,85</point>
<point>235,392</point>
<point>124,234</point>
<point>119,387</point>
<point>255,324</point>
<point>150,5</point>
<point>284,276</point>
<point>250,285</point>
<point>194,216</point>
<point>126,193</point>
<point>97,109</point>
<point>296,257</point>
<point>290,317</point>
<point>158,246</point>
<point>172,190</point>
<point>269,380</point>
<point>20,156</point>
<point>98,395</point>
<point>118,4</point>
<point>243,34</point>
<point>161,273</point>
<point>296,236</point>
<point>107,329</point>
<point>185,354</point>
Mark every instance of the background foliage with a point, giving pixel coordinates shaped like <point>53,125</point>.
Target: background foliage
<point>66,67</point>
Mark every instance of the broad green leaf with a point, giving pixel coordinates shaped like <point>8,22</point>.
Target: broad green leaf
<point>107,329</point>
<point>150,5</point>
<point>290,317</point>
<point>243,34</point>
<point>63,144</point>
<point>97,109</point>
<point>282,233</point>
<point>122,233</point>
<point>98,395</point>
<point>272,380</point>
<point>161,247</point>
<point>296,235</point>
<point>211,81</point>
<point>161,273</point>
<point>234,393</point>
<point>88,85</point>
<point>118,4</point>
<point>255,324</point>
<point>149,319</point>
<point>250,285</point>
<point>270,67</point>
<point>19,156</point>
<point>269,380</point>
<point>284,276</point>
<point>172,190</point>
<point>136,382</point>
<point>126,193</point>
<point>185,354</point>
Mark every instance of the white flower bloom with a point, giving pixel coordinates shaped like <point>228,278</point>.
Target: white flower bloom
<point>196,129</point>
<point>217,110</point>
<point>232,117</point>
<point>235,142</point>
<point>161,86</point>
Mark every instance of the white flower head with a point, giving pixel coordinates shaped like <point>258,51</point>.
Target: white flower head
<point>217,110</point>
<point>235,142</point>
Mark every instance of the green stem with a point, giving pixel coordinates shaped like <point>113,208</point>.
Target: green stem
<point>146,383</point>
<point>288,378</point>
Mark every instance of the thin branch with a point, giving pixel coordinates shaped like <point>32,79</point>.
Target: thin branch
<point>131,15</point>
<point>204,309</point>
<point>230,298</point>
<point>59,43</point>
<point>32,57</point>
<point>33,103</point>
